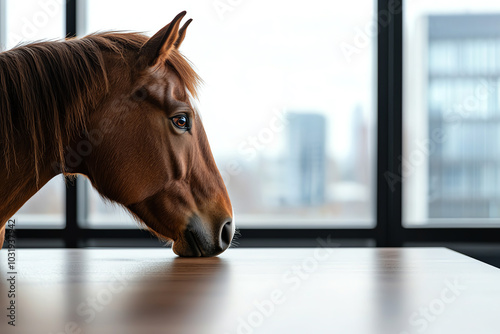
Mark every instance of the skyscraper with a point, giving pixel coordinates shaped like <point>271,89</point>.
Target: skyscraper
<point>306,158</point>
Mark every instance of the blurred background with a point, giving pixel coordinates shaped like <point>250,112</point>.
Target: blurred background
<point>300,84</point>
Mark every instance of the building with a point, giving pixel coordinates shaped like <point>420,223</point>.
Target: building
<point>463,103</point>
<point>306,159</point>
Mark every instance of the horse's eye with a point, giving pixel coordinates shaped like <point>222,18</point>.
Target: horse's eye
<point>181,122</point>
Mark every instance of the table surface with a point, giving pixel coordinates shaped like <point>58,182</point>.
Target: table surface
<point>306,290</point>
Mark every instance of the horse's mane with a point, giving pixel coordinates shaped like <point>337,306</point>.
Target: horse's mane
<point>46,89</point>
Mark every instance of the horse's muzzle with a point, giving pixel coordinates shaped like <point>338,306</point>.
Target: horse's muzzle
<point>202,240</point>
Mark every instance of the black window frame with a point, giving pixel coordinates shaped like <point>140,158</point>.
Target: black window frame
<point>388,231</point>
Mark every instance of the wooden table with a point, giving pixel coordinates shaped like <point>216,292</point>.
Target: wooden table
<point>308,290</point>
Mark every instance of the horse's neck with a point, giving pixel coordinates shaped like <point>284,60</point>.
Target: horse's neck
<point>18,186</point>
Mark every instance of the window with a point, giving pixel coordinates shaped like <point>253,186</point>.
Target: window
<point>22,22</point>
<point>32,20</point>
<point>46,208</point>
<point>451,161</point>
<point>301,151</point>
<point>313,68</point>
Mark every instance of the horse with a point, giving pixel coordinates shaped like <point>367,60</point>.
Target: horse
<point>117,108</point>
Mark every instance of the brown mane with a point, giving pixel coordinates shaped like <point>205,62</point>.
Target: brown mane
<point>49,87</point>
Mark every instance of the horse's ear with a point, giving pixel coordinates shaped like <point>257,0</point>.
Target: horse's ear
<point>182,33</point>
<point>157,49</point>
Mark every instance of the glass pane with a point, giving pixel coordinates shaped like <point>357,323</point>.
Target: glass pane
<point>46,209</point>
<point>33,20</point>
<point>297,87</point>
<point>26,21</point>
<point>451,161</point>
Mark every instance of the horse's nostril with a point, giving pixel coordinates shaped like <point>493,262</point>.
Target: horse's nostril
<point>226,234</point>
<point>197,241</point>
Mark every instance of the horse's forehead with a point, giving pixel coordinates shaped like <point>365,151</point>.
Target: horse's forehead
<point>163,83</point>
<point>163,75</point>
